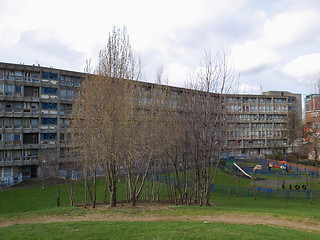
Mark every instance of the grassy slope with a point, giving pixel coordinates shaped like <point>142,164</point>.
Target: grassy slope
<point>149,230</point>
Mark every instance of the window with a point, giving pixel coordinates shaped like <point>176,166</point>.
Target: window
<point>7,122</point>
<point>18,75</point>
<point>16,122</point>
<point>77,82</point>
<point>27,76</point>
<point>48,121</point>
<point>17,106</point>
<point>10,74</point>
<point>48,136</point>
<point>18,89</point>
<point>49,90</point>
<point>63,93</point>
<point>1,89</point>
<point>69,93</point>
<point>34,122</point>
<point>35,76</point>
<point>16,137</point>
<point>7,137</point>
<point>1,74</point>
<point>9,90</point>
<point>26,122</point>
<point>49,75</point>
<point>34,105</point>
<point>69,81</point>
<point>49,105</point>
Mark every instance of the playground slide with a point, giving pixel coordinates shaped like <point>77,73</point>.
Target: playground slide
<point>242,170</point>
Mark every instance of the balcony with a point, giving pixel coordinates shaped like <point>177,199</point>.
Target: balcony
<point>19,161</point>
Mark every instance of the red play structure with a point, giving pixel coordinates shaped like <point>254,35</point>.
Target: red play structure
<point>283,165</point>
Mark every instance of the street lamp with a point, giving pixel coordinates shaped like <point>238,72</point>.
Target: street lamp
<point>285,152</point>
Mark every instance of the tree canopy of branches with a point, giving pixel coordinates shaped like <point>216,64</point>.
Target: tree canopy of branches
<point>132,131</point>
<point>208,120</point>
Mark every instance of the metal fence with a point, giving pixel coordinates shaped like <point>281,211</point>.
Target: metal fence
<point>259,192</point>
<point>19,178</point>
<point>265,192</point>
<point>7,181</point>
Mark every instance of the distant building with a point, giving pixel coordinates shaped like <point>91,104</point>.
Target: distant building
<point>312,102</point>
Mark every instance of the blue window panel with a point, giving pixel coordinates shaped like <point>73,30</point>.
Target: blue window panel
<point>34,152</point>
<point>49,75</point>
<point>8,137</point>
<point>49,105</point>
<point>48,90</point>
<point>48,121</point>
<point>16,137</point>
<point>18,89</point>
<point>48,136</point>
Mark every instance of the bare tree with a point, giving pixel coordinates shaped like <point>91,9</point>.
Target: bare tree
<point>294,129</point>
<point>313,133</point>
<point>103,113</point>
<point>207,115</point>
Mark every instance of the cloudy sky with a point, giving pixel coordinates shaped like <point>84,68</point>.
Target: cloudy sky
<point>274,44</point>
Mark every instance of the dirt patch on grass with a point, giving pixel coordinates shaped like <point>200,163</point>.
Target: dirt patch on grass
<point>152,213</point>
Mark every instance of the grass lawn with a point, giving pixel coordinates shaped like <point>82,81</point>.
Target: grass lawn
<point>32,203</point>
<point>150,230</point>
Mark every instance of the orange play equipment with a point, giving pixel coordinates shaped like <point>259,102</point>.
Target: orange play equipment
<point>283,165</point>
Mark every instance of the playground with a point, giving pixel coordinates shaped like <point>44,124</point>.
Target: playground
<point>270,178</point>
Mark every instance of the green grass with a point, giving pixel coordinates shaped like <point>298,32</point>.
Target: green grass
<point>150,230</point>
<point>23,204</point>
<point>20,201</point>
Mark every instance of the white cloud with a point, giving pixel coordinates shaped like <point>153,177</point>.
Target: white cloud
<point>288,27</point>
<point>178,74</point>
<point>283,31</point>
<point>252,56</point>
<point>248,89</point>
<point>303,68</point>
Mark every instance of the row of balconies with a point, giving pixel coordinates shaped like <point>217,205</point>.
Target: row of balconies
<point>33,127</point>
<point>37,81</point>
<point>237,144</point>
<point>31,113</point>
<point>18,144</point>
<point>34,98</point>
<point>255,137</point>
<point>258,121</point>
<point>19,161</point>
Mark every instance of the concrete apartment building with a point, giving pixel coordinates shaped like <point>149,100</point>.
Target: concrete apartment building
<point>36,103</point>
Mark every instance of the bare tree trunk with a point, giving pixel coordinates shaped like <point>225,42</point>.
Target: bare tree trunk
<point>105,191</point>
<point>76,192</point>
<point>58,192</point>
<point>85,188</point>
<point>113,195</point>
<point>94,189</point>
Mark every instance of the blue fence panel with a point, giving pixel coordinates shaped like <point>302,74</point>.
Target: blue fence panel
<point>264,192</point>
<point>7,181</point>
<point>19,178</point>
